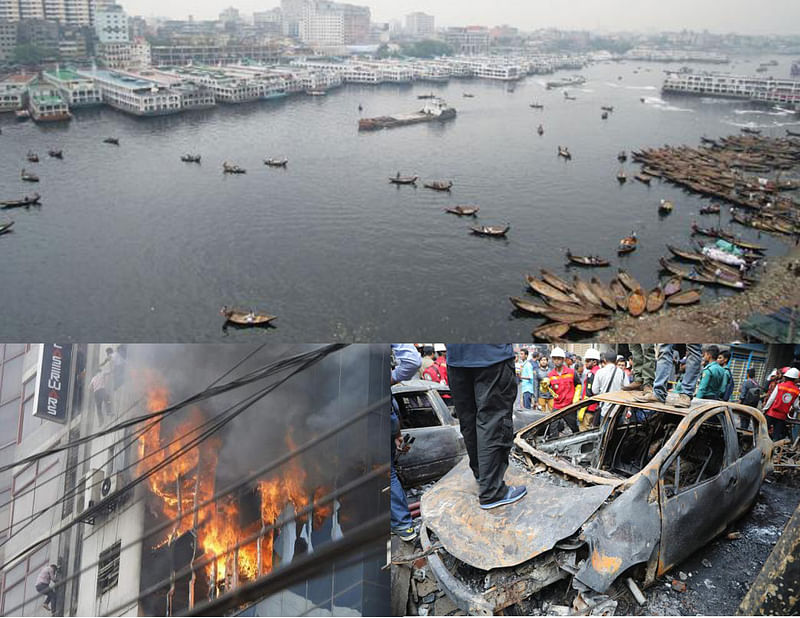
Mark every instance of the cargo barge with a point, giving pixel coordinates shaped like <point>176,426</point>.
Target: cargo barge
<point>435,109</point>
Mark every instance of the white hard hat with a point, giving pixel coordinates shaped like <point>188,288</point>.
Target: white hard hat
<point>557,352</point>
<point>592,354</point>
<point>792,373</point>
<point>439,347</point>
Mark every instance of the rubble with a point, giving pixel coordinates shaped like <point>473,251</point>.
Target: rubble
<point>678,586</point>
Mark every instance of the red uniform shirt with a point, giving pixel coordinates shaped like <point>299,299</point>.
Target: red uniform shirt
<point>784,400</point>
<point>587,387</point>
<point>563,384</point>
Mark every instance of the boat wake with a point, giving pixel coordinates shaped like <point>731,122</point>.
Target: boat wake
<point>613,85</point>
<point>758,112</point>
<point>662,105</point>
<point>763,125</point>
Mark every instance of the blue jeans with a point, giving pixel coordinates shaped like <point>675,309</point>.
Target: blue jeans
<point>401,516</point>
<point>694,359</point>
<point>526,400</point>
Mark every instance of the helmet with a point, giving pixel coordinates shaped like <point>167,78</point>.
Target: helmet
<point>439,347</point>
<point>557,352</point>
<point>792,373</point>
<point>592,354</point>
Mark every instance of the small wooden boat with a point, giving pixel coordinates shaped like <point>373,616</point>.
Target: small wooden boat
<point>468,95</point>
<point>497,231</point>
<point>55,154</point>
<point>5,228</point>
<point>627,244</point>
<point>568,317</point>
<point>643,178</point>
<point>188,158</point>
<point>540,130</point>
<point>655,299</point>
<point>403,180</point>
<point>29,200</point>
<point>592,325</point>
<point>790,133</point>
<point>246,318</point>
<point>551,332</point>
<point>463,211</point>
<point>687,297</point>
<point>111,140</point>
<point>564,152</point>
<point>586,260</point>
<point>683,254</point>
<point>32,157</point>
<point>710,209</point>
<point>607,108</point>
<point>585,292</point>
<point>622,156</point>
<point>673,286</point>
<point>622,177</point>
<point>316,92</point>
<point>22,115</point>
<point>529,306</point>
<point>637,303</point>
<point>276,162</point>
<point>665,207</point>
<point>548,291</point>
<point>569,97</point>
<point>439,185</point>
<point>28,177</point>
<point>750,131</point>
<point>537,106</point>
<point>579,307</point>
<point>628,280</point>
<point>557,282</point>
<point>620,295</point>
<point>603,293</point>
<point>604,116</point>
<point>232,169</point>
<point>426,96</point>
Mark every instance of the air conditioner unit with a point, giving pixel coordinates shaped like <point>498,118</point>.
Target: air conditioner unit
<point>92,496</point>
<point>109,485</point>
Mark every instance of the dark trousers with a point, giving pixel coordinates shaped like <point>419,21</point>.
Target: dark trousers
<point>48,592</point>
<point>526,400</point>
<point>777,428</point>
<point>484,400</point>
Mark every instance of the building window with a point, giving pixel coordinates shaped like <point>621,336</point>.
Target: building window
<point>108,568</point>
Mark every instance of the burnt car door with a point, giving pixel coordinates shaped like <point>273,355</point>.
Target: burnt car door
<point>751,458</point>
<point>437,443</point>
<point>697,487</point>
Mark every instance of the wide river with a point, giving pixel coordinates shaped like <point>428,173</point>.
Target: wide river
<point>131,244</point>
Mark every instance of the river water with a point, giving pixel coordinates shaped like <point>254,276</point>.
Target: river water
<point>131,244</point>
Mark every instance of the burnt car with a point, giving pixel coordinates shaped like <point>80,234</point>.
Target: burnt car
<point>426,417</point>
<point>627,500</point>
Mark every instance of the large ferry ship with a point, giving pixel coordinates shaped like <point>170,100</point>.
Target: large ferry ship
<point>577,80</point>
<point>724,85</point>
<point>434,109</point>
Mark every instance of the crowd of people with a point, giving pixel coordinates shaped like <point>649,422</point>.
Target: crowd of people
<point>486,381</point>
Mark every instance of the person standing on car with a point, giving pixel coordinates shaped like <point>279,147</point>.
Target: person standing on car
<point>712,376</point>
<point>566,384</point>
<point>728,384</point>
<point>484,387</point>
<point>408,362</point>
<point>664,369</point>
<point>782,404</point>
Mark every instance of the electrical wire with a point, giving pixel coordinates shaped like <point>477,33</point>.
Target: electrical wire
<point>382,404</point>
<point>206,394</point>
<point>234,412</point>
<point>76,490</point>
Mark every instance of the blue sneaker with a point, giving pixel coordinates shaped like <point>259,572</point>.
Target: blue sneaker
<point>406,534</point>
<point>513,494</point>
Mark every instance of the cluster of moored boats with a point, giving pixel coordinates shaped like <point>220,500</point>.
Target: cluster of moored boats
<point>588,306</point>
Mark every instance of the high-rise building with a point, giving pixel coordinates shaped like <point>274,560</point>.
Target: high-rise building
<point>230,16</point>
<point>469,40</point>
<point>269,22</point>
<point>331,24</point>
<point>66,12</point>
<point>8,40</point>
<point>292,14</point>
<point>111,25</point>
<point>420,25</point>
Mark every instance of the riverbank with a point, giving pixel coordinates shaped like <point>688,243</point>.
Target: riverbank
<point>718,321</point>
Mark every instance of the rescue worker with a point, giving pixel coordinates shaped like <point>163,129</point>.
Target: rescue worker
<point>566,384</point>
<point>586,415</point>
<point>782,404</point>
<point>484,387</point>
<point>427,359</point>
<point>441,362</point>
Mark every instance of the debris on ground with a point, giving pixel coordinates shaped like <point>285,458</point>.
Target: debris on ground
<point>678,586</point>
<point>706,563</point>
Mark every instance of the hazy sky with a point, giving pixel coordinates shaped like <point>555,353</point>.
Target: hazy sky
<point>745,16</point>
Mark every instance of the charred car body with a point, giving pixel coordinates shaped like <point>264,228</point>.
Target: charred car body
<point>632,498</point>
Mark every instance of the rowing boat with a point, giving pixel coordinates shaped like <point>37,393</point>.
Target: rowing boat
<point>588,260</point>
<point>627,244</point>
<point>403,180</point>
<point>686,255</point>
<point>592,325</point>
<point>628,280</point>
<point>439,185</point>
<point>548,291</point>
<point>687,297</point>
<point>579,307</point>
<point>529,306</point>
<point>496,231</point>
<point>637,302</point>
<point>551,332</point>
<point>557,282</point>
<point>585,292</point>
<point>568,317</point>
<point>665,207</point>
<point>276,162</point>
<point>6,227</point>
<point>655,299</point>
<point>603,293</point>
<point>463,211</point>
<point>673,286</point>
<point>246,318</point>
<point>620,295</point>
<point>28,200</point>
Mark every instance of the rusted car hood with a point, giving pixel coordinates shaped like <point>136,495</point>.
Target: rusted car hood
<point>512,534</point>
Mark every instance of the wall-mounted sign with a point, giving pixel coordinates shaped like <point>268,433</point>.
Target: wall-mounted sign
<point>54,375</point>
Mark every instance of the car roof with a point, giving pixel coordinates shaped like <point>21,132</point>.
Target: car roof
<point>418,385</point>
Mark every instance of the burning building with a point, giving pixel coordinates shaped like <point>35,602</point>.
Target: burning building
<point>184,508</point>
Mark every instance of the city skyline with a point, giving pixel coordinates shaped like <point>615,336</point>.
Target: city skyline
<point>647,15</point>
